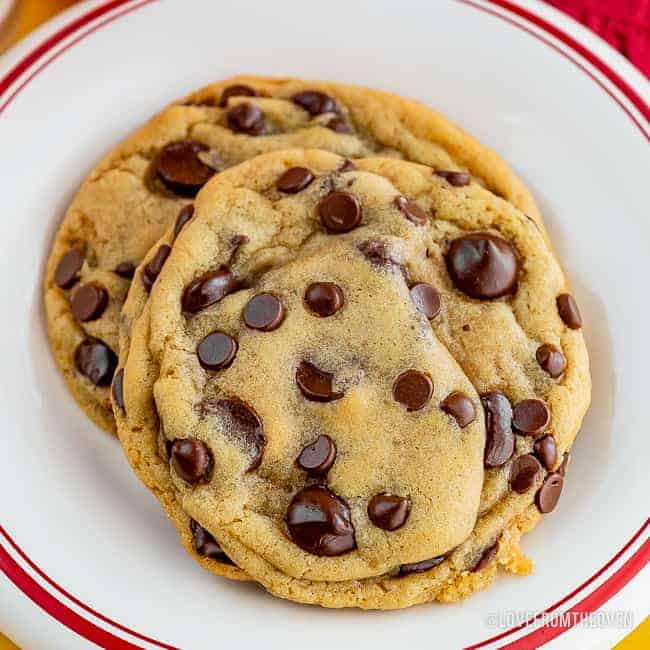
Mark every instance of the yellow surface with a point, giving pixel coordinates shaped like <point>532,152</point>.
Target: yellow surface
<point>639,639</point>
<point>6,644</point>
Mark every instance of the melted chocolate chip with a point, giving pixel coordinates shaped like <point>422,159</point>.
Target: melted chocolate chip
<point>68,270</point>
<point>206,545</point>
<point>531,416</point>
<point>420,567</point>
<point>246,118</point>
<point>338,125</point>
<point>208,289</point>
<point>317,457</point>
<point>551,360</point>
<point>339,212</point>
<point>315,102</point>
<point>388,511</point>
<point>546,450</point>
<point>320,523</point>
<point>524,472</point>
<point>154,266</point>
<point>180,169</point>
<point>569,312</point>
<point>191,459</point>
<point>459,406</point>
<point>426,299</point>
<point>264,312</point>
<point>411,210</point>
<point>294,180</point>
<point>236,90</point>
<point>549,494</point>
<point>487,557</point>
<point>347,166</point>
<point>118,388</point>
<point>379,254</point>
<point>216,350</point>
<point>88,302</point>
<point>324,298</point>
<point>500,442</point>
<point>183,217</point>
<point>483,266</point>
<point>96,361</point>
<point>315,384</point>
<point>413,389</point>
<point>457,179</point>
<point>125,270</point>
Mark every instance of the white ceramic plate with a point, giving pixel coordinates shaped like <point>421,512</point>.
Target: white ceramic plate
<point>81,538</point>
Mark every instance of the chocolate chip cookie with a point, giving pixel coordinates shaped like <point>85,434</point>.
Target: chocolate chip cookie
<point>145,184</point>
<point>360,380</point>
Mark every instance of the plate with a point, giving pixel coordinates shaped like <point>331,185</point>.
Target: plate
<point>83,539</point>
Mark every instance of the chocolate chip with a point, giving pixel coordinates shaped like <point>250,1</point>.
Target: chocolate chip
<point>294,180</point>
<point>549,494</point>
<point>208,289</point>
<point>482,265</point>
<point>154,266</point>
<point>347,166</point>
<point>320,523</point>
<point>388,511</point>
<point>217,350</point>
<point>180,169</point>
<point>378,253</point>
<point>546,450</point>
<point>566,460</point>
<point>524,472</point>
<point>324,298</point>
<point>315,384</point>
<point>125,270</point>
<point>246,118</point>
<point>531,416</point>
<point>426,299</point>
<point>420,567</point>
<point>246,425</point>
<point>500,440</point>
<point>206,545</point>
<point>338,125</point>
<point>411,210</point>
<point>551,360</point>
<point>569,312</point>
<point>96,361</point>
<point>236,90</point>
<point>457,179</point>
<point>264,312</point>
<point>317,457</point>
<point>413,389</point>
<point>339,212</point>
<point>459,406</point>
<point>487,556</point>
<point>88,302</point>
<point>191,459</point>
<point>118,388</point>
<point>183,217</point>
<point>315,102</point>
<point>68,269</point>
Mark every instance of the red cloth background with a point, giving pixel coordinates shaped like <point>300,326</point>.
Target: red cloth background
<point>624,24</point>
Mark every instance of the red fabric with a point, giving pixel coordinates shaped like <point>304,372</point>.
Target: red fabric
<point>624,24</point>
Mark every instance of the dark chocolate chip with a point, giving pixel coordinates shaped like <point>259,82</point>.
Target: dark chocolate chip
<point>338,125</point>
<point>487,556</point>
<point>413,389</point>
<point>236,90</point>
<point>546,450</point>
<point>206,545</point>
<point>96,361</point>
<point>317,457</point>
<point>524,472</point>
<point>457,179</point>
<point>420,567</point>
<point>208,289</point>
<point>531,416</point>
<point>118,388</point>
<point>549,494</point>
<point>500,440</point>
<point>426,299</point>
<point>551,360</point>
<point>183,217</point>
<point>264,312</point>
<point>378,253</point>
<point>180,169</point>
<point>315,102</point>
<point>569,312</point>
<point>483,266</point>
<point>68,269</point>
<point>88,302</point>
<point>324,298</point>
<point>411,210</point>
<point>564,466</point>
<point>246,118</point>
<point>459,406</point>
<point>294,180</point>
<point>315,384</point>
<point>339,212</point>
<point>216,350</point>
<point>388,511</point>
<point>154,266</point>
<point>125,270</point>
<point>320,523</point>
<point>347,166</point>
<point>191,459</point>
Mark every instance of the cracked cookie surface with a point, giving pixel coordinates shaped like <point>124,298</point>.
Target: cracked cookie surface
<point>137,191</point>
<point>361,381</point>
